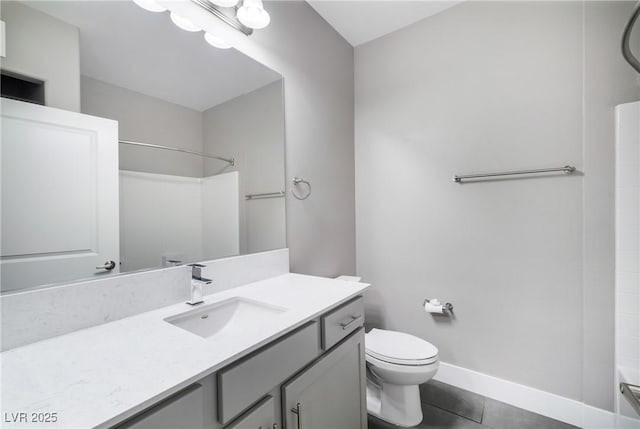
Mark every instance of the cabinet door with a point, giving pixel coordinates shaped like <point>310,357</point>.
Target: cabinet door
<point>184,410</point>
<point>331,393</point>
<point>59,198</point>
<point>262,416</point>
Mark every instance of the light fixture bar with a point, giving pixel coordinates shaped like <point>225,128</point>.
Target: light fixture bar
<point>224,16</point>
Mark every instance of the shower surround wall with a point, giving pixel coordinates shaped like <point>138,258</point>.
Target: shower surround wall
<point>628,248</point>
<point>527,263</point>
<point>164,218</point>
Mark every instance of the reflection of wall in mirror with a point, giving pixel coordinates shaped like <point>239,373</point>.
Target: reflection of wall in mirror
<point>249,127</point>
<point>44,48</point>
<point>149,120</point>
<point>252,128</point>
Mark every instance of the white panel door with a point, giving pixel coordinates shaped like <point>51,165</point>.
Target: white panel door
<point>59,194</point>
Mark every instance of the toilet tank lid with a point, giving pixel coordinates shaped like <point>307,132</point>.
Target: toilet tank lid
<point>399,345</point>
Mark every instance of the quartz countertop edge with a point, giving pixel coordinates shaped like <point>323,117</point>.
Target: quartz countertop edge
<point>100,376</point>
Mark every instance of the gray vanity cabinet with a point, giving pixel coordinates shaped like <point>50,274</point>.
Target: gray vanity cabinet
<point>311,378</point>
<point>331,393</point>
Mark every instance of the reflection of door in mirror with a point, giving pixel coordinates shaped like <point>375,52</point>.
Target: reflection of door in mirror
<point>61,223</point>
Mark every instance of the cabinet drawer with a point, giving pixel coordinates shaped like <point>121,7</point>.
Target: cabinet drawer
<point>262,416</point>
<point>244,383</point>
<point>342,321</point>
<point>183,410</point>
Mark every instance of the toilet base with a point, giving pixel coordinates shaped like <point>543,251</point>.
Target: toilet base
<point>395,404</point>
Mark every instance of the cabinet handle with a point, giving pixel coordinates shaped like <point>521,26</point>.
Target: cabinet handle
<point>298,412</point>
<point>353,319</point>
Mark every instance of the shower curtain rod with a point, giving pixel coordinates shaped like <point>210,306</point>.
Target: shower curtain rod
<point>231,161</point>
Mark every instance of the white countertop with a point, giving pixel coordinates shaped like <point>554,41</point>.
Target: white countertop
<point>99,376</point>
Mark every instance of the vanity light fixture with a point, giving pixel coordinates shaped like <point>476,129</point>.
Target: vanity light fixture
<point>216,41</point>
<point>183,23</point>
<point>150,5</point>
<point>253,15</point>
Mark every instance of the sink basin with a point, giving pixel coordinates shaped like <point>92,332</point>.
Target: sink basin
<point>232,316</point>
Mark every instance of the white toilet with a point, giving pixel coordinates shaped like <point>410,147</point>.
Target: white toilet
<point>397,363</point>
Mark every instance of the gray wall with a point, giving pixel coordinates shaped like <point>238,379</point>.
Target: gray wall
<point>317,65</point>
<point>149,120</point>
<point>527,263</point>
<point>45,48</point>
<point>250,128</point>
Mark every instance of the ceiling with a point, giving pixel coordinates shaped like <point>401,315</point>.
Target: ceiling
<point>126,46</point>
<point>360,21</point>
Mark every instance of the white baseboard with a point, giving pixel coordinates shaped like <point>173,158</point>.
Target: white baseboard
<point>534,400</point>
<point>627,423</point>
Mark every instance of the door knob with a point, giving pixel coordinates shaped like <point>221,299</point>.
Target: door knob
<point>109,265</point>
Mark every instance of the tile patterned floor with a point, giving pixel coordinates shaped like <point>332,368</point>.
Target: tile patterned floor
<point>447,407</point>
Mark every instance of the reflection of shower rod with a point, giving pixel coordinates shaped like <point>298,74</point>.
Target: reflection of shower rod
<point>296,181</point>
<point>231,161</point>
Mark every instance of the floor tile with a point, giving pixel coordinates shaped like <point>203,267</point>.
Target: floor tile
<point>499,415</point>
<point>376,423</point>
<point>458,401</point>
<point>436,418</point>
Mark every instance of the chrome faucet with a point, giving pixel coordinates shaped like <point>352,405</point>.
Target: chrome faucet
<point>197,281</point>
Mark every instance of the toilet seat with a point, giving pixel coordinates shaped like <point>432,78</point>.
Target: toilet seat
<point>399,348</point>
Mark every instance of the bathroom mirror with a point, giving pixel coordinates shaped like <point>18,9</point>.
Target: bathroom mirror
<point>90,90</point>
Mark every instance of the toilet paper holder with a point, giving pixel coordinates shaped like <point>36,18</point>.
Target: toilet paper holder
<point>447,306</point>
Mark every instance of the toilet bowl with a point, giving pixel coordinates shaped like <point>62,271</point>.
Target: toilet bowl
<point>397,363</point>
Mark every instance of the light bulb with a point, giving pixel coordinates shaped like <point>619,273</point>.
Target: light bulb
<point>225,3</point>
<point>216,41</point>
<point>183,23</point>
<point>253,15</point>
<point>149,5</point>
